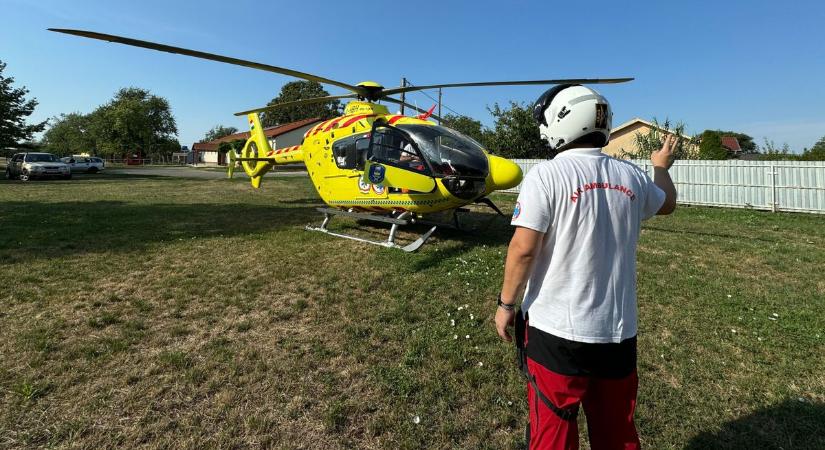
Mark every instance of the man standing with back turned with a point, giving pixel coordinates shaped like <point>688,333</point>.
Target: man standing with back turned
<point>573,254</point>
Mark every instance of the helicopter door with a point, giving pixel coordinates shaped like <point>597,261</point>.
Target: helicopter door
<point>394,161</point>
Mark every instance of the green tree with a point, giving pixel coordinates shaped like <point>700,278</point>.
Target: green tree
<point>219,131</point>
<point>14,109</point>
<point>134,121</point>
<point>235,145</point>
<point>816,153</point>
<point>710,146</point>
<point>515,133</point>
<point>772,152</point>
<point>465,125</point>
<point>300,90</point>
<point>69,134</point>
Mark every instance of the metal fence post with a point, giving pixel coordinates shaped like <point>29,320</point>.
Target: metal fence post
<point>773,188</point>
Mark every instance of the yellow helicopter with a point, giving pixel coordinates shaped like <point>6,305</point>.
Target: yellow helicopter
<point>369,163</point>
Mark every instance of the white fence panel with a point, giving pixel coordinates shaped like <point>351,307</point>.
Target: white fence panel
<point>769,185</point>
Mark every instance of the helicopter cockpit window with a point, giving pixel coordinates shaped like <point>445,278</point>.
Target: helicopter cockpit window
<point>389,146</point>
<point>448,151</point>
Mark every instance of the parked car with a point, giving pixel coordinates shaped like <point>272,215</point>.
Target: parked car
<point>29,165</point>
<point>85,164</point>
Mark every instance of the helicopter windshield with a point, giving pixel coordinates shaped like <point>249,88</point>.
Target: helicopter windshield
<point>448,151</point>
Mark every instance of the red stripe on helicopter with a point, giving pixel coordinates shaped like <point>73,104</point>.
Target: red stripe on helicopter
<point>395,119</point>
<point>269,153</point>
<point>321,127</point>
<point>314,130</point>
<point>356,119</point>
<point>329,127</point>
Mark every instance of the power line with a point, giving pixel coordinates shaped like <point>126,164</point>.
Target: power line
<point>436,101</point>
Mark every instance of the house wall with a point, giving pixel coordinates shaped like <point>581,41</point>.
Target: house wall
<point>291,138</point>
<point>209,157</point>
<point>625,139</point>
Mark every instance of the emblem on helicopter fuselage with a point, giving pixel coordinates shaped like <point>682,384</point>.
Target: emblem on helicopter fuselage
<point>377,172</point>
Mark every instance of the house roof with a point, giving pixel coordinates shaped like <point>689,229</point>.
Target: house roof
<point>635,121</point>
<point>270,132</point>
<point>205,147</point>
<point>731,143</point>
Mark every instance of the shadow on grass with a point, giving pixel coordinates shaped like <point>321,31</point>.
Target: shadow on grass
<point>81,178</point>
<point>33,230</point>
<point>477,229</point>
<point>788,425</point>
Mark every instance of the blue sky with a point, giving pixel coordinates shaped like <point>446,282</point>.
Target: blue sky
<point>754,66</point>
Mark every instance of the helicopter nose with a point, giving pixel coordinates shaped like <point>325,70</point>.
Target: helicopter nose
<point>504,174</point>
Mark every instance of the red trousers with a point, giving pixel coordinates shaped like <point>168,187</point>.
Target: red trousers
<point>608,405</point>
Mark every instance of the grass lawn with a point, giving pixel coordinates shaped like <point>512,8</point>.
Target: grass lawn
<point>159,312</point>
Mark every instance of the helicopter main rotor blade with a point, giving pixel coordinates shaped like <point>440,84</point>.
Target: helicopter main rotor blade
<point>209,56</point>
<point>296,102</point>
<point>414,108</point>
<point>399,90</point>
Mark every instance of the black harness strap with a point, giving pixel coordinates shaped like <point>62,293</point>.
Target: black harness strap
<point>571,412</point>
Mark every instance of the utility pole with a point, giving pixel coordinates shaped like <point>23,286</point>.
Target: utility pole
<point>403,84</point>
<point>439,106</point>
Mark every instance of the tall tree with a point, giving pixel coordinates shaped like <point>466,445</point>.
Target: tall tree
<point>14,109</point>
<point>710,146</point>
<point>515,134</point>
<point>300,90</point>
<point>219,131</point>
<point>134,121</point>
<point>69,134</point>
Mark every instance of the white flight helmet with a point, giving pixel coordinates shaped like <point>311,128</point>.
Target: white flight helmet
<point>570,114</point>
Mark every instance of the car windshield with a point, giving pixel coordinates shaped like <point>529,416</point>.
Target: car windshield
<point>41,157</point>
<point>449,152</point>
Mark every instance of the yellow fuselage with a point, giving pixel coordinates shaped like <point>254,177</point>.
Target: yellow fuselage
<point>347,188</point>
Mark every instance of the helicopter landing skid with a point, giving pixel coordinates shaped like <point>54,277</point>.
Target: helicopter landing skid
<point>402,219</point>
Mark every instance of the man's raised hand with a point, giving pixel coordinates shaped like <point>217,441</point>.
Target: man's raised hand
<point>663,157</point>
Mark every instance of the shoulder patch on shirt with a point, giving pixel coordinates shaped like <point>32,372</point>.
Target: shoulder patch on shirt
<point>516,211</point>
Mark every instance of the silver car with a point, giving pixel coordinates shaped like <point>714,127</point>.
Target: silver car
<point>84,164</point>
<point>27,166</point>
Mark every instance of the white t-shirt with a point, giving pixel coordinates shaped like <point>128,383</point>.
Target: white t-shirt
<point>590,207</point>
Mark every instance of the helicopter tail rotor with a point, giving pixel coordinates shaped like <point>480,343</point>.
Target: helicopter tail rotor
<point>255,151</point>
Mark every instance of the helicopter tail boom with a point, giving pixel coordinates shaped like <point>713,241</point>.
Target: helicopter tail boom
<point>258,157</point>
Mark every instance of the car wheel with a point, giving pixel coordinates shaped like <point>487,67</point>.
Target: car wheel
<point>92,169</point>
<point>8,174</point>
<point>67,177</point>
<point>24,175</point>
